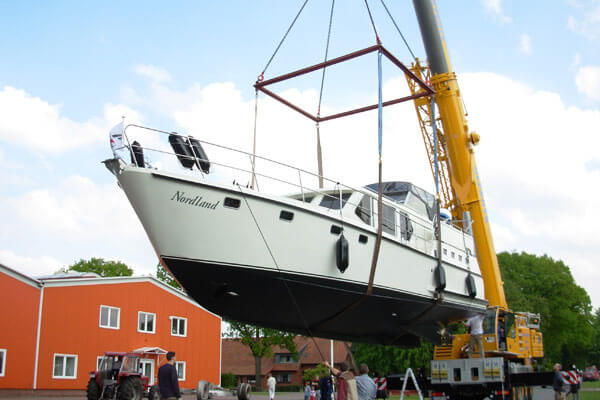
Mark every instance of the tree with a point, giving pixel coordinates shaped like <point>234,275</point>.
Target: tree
<point>101,267</point>
<point>260,341</point>
<point>594,356</point>
<point>163,275</point>
<point>543,285</point>
<point>312,373</point>
<point>391,359</point>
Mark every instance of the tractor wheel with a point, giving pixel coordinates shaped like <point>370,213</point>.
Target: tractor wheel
<point>243,392</point>
<point>93,390</point>
<point>154,393</point>
<point>130,389</point>
<point>202,390</point>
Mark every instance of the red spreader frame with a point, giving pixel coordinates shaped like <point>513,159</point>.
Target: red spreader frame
<point>261,84</point>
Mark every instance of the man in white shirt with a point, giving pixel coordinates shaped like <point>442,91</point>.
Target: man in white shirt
<point>271,382</point>
<point>475,327</point>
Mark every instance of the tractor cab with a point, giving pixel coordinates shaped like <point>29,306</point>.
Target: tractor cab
<point>119,376</point>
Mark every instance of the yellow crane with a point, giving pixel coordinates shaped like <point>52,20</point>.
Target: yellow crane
<point>510,336</point>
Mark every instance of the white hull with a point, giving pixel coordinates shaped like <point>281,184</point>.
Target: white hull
<point>213,249</point>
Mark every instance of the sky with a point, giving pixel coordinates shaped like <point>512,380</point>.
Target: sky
<point>529,74</point>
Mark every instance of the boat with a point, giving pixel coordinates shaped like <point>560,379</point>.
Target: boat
<point>300,260</point>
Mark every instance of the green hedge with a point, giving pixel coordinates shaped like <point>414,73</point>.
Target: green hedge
<point>228,380</point>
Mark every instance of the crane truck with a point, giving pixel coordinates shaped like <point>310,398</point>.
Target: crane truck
<point>512,341</point>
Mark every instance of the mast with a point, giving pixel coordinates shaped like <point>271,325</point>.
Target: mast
<point>459,143</point>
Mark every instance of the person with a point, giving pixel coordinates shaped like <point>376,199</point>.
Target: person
<point>313,392</point>
<point>366,387</point>
<point>325,386</point>
<point>346,383</point>
<point>558,382</point>
<point>271,382</point>
<point>116,367</point>
<point>167,379</point>
<point>307,391</point>
<point>475,328</point>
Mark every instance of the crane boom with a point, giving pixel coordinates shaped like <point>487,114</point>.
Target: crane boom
<point>458,145</point>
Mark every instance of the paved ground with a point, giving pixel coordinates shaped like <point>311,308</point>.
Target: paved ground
<point>539,394</point>
<point>80,395</point>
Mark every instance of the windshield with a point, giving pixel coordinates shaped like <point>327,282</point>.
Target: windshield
<point>398,191</point>
<point>131,364</point>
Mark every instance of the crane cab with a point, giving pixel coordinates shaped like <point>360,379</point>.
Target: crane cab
<point>509,334</point>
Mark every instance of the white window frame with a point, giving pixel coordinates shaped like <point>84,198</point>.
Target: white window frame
<point>98,361</point>
<point>172,318</point>
<point>146,322</point>
<point>64,365</point>
<point>3,369</point>
<point>180,363</point>
<point>109,310</point>
<point>151,363</point>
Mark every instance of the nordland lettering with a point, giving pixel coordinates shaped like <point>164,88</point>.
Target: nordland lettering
<point>194,201</point>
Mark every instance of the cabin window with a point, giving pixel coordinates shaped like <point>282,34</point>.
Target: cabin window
<point>452,254</point>
<point>406,227</point>
<point>445,252</point>
<point>364,209</point>
<point>231,202</point>
<point>416,204</point>
<point>332,200</point>
<point>389,220</point>
<point>460,257</point>
<point>286,215</point>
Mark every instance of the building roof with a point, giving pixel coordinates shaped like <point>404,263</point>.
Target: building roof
<point>20,276</point>
<point>237,359</point>
<point>80,279</point>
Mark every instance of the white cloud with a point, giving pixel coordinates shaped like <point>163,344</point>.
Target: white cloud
<point>78,218</point>
<point>494,8</point>
<point>32,122</point>
<point>588,81</point>
<point>525,44</point>
<point>30,266</point>
<point>35,124</point>
<point>588,24</point>
<point>153,72</point>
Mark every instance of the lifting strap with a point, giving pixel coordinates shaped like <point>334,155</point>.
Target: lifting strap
<point>319,152</point>
<point>369,290</point>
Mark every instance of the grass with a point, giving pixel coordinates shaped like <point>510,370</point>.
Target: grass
<point>591,384</point>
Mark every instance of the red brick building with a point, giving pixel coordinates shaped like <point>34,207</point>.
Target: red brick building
<point>55,329</point>
<point>238,360</point>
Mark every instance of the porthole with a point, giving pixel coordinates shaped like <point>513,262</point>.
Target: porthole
<point>286,215</point>
<point>231,202</point>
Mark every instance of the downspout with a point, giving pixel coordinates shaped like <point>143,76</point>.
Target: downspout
<point>37,341</point>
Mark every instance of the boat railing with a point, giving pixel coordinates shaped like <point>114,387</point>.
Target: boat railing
<point>242,168</point>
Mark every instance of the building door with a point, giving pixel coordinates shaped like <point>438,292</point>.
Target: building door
<point>147,367</point>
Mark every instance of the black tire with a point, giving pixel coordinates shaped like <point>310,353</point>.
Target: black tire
<point>130,389</point>
<point>154,393</point>
<point>243,392</point>
<point>93,390</point>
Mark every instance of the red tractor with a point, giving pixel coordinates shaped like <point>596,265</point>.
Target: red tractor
<point>119,378</point>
